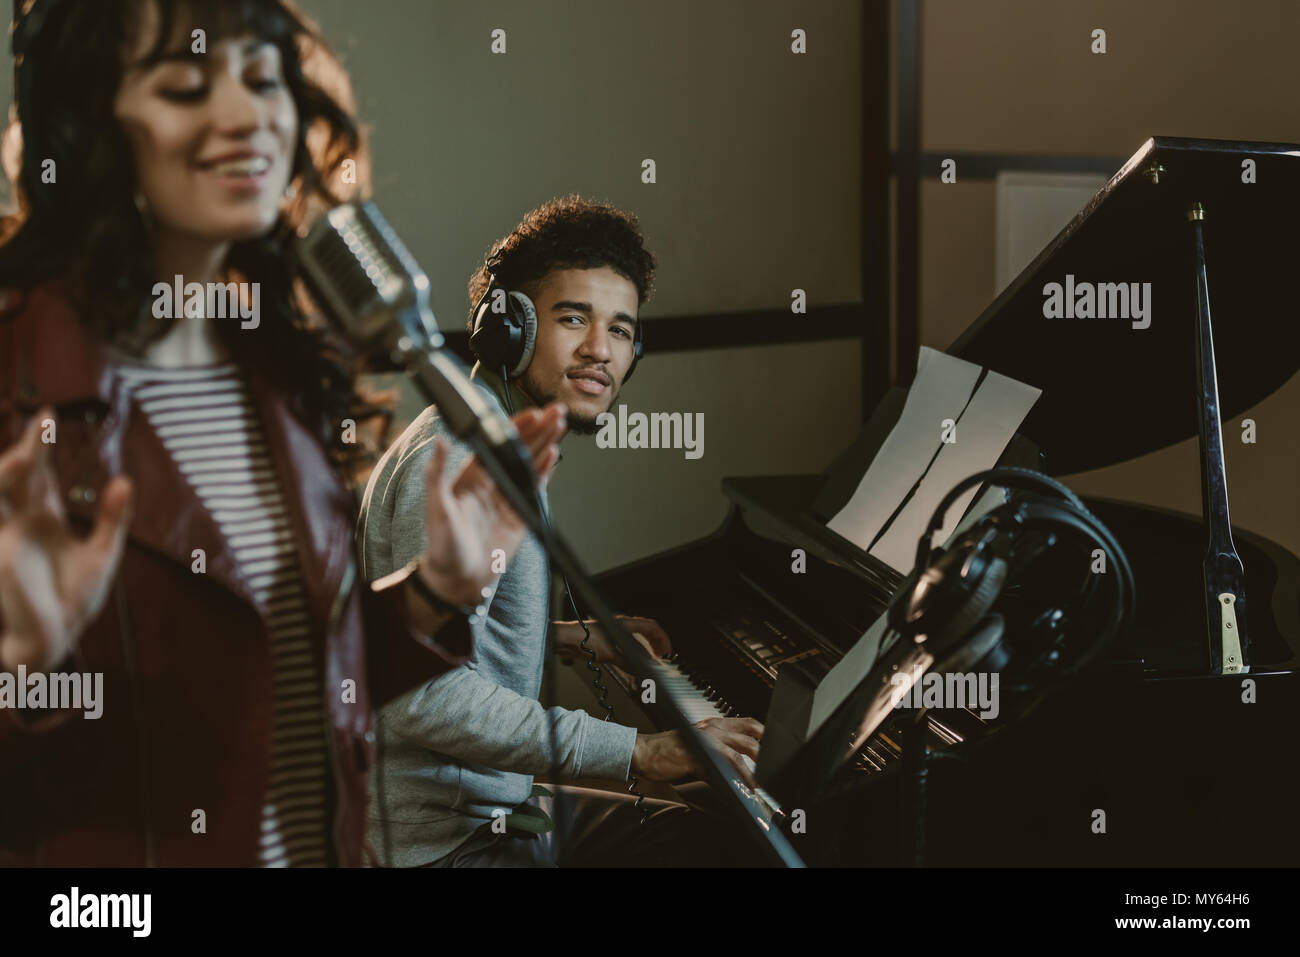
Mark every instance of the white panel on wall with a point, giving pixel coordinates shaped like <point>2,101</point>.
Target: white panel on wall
<point>1031,209</point>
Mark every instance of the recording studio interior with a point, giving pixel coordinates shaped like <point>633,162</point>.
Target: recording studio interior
<point>970,349</point>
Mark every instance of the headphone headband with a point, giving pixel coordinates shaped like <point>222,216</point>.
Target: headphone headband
<point>1069,513</point>
<point>1007,477</point>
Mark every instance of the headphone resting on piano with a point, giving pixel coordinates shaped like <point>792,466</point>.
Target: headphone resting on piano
<point>947,601</point>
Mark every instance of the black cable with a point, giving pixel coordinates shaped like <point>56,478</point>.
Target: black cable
<point>602,696</point>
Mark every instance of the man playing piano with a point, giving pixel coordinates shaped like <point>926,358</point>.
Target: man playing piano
<point>454,786</point>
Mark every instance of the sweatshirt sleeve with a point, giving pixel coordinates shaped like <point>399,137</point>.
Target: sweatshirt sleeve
<point>477,721</point>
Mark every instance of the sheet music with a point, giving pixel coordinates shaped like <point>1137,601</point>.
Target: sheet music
<point>999,406</point>
<point>940,391</point>
<point>985,423</point>
<point>942,386</point>
<point>839,682</point>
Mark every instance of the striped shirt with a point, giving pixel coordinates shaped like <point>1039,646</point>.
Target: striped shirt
<point>205,418</point>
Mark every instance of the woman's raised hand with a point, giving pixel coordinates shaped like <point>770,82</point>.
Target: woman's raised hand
<point>467,518</point>
<point>52,583</point>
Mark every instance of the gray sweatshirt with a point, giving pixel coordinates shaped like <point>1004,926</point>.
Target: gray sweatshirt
<point>468,742</point>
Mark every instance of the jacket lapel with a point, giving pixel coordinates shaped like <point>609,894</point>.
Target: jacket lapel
<point>60,362</point>
<point>169,516</point>
<point>101,433</point>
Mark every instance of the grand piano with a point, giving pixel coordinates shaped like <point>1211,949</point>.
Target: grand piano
<point>1162,753</point>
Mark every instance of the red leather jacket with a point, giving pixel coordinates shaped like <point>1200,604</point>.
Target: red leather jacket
<point>187,687</point>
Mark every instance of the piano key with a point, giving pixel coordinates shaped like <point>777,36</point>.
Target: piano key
<point>698,707</point>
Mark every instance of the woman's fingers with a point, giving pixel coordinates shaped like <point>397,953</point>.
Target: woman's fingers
<point>545,463</point>
<point>540,431</point>
<point>528,424</point>
<point>436,480</point>
<point>539,428</point>
<point>19,464</point>
<point>50,582</point>
<point>31,609</point>
<point>114,518</point>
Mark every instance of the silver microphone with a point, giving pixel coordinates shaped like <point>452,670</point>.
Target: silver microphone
<point>362,274</point>
<point>376,295</point>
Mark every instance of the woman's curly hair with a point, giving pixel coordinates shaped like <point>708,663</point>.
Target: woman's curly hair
<point>88,233</point>
<point>568,233</point>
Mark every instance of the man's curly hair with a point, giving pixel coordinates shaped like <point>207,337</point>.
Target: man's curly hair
<point>569,233</point>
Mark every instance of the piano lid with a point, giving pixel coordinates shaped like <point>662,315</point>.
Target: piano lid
<point>1111,391</point>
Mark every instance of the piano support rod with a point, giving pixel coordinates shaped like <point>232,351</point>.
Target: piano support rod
<point>1223,574</point>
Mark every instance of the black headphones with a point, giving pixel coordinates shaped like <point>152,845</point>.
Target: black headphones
<point>504,334</point>
<point>947,601</point>
<point>46,135</point>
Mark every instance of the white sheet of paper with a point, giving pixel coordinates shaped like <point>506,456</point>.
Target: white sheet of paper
<point>840,681</point>
<point>991,419</point>
<point>940,390</point>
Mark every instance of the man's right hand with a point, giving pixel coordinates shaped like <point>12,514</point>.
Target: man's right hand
<point>52,584</point>
<point>665,757</point>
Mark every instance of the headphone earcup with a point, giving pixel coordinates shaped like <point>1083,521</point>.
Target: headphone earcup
<point>480,336</point>
<point>495,339</point>
<point>952,588</point>
<point>969,613</point>
<point>982,651</point>
<point>525,317</point>
<point>505,340</point>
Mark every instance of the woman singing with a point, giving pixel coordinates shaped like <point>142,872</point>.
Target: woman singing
<point>188,658</point>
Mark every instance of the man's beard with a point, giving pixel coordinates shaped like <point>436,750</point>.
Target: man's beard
<point>578,425</point>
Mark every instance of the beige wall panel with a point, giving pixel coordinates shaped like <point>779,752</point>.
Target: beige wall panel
<point>1263,479</point>
<point>768,410</point>
<point>957,256</point>
<point>1017,76</point>
<point>758,150</point>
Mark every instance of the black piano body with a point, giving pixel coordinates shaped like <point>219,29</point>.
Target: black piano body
<point>1183,771</point>
<point>1152,758</point>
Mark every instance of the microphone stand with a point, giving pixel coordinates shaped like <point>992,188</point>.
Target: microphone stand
<point>443,381</point>
<point>915,788</point>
